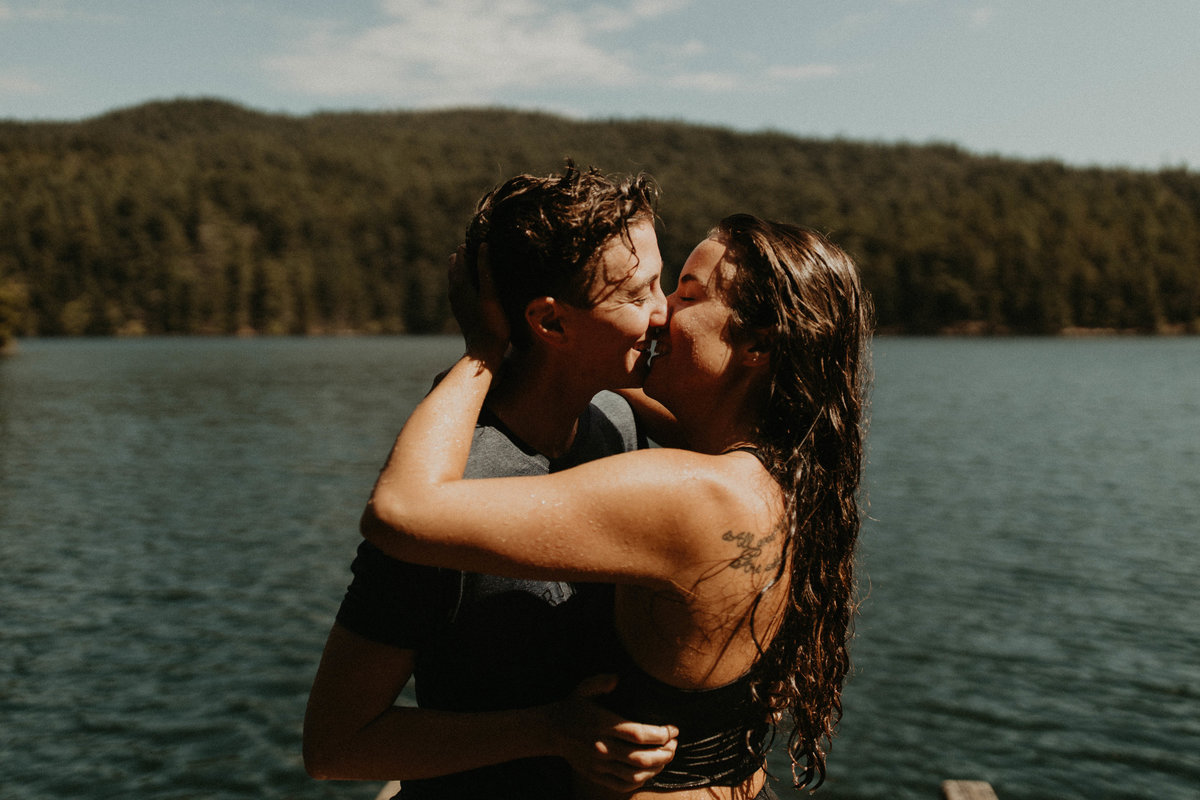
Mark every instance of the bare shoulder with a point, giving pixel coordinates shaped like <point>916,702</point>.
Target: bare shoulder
<point>718,499</point>
<point>659,518</point>
<point>728,479</point>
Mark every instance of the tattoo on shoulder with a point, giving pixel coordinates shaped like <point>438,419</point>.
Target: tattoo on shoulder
<point>751,559</point>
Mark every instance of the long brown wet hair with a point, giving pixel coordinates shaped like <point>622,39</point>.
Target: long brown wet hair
<point>804,294</point>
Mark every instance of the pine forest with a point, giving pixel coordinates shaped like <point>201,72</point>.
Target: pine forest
<point>204,217</point>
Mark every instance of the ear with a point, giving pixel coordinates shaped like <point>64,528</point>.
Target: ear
<point>756,352</point>
<point>545,318</point>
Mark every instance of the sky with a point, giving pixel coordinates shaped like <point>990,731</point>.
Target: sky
<point>1112,83</point>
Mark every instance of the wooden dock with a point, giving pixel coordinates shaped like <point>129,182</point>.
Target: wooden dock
<point>968,790</point>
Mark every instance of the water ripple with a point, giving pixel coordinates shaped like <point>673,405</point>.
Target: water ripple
<point>177,519</point>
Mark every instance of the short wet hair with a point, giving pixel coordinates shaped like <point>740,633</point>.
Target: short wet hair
<point>544,234</point>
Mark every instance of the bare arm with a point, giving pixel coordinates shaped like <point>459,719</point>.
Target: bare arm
<point>630,518</point>
<point>353,730</point>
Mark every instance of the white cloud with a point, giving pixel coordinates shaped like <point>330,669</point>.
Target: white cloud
<point>448,53</point>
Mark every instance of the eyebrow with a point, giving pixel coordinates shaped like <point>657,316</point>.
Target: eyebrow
<point>640,286</point>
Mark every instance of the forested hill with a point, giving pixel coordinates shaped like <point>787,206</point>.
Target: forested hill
<point>198,216</point>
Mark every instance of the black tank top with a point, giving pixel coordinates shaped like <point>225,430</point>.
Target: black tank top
<point>722,733</point>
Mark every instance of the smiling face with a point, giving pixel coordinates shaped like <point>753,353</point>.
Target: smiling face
<point>697,349</point>
<point>626,299</point>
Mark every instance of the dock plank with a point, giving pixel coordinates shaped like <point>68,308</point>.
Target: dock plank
<point>968,790</point>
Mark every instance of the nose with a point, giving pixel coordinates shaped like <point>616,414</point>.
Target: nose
<point>658,312</point>
<point>672,302</point>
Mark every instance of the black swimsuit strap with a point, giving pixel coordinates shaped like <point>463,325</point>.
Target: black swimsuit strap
<point>748,448</point>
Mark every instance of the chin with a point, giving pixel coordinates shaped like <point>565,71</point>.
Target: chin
<point>636,374</point>
<point>652,388</point>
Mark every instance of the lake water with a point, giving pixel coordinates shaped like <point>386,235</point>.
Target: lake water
<point>177,518</point>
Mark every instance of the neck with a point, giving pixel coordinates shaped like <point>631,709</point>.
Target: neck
<point>540,401</point>
<point>714,422</point>
<point>714,439</point>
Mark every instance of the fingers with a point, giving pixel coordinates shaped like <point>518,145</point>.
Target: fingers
<point>462,288</point>
<point>457,270</point>
<point>606,748</point>
<point>626,761</point>
<point>477,310</point>
<point>645,735</point>
<point>619,753</point>
<point>483,272</point>
<point>627,769</point>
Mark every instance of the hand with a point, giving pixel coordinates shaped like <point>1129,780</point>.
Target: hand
<point>476,307</point>
<point>605,748</point>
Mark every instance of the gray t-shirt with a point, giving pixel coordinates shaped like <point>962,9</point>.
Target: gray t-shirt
<point>484,642</point>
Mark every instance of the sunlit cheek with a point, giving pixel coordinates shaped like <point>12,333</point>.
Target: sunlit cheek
<point>626,323</point>
<point>705,354</point>
<point>635,325</point>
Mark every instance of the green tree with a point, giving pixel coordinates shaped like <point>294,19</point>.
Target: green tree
<point>205,217</point>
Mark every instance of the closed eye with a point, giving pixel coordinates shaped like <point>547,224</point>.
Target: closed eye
<point>688,290</point>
